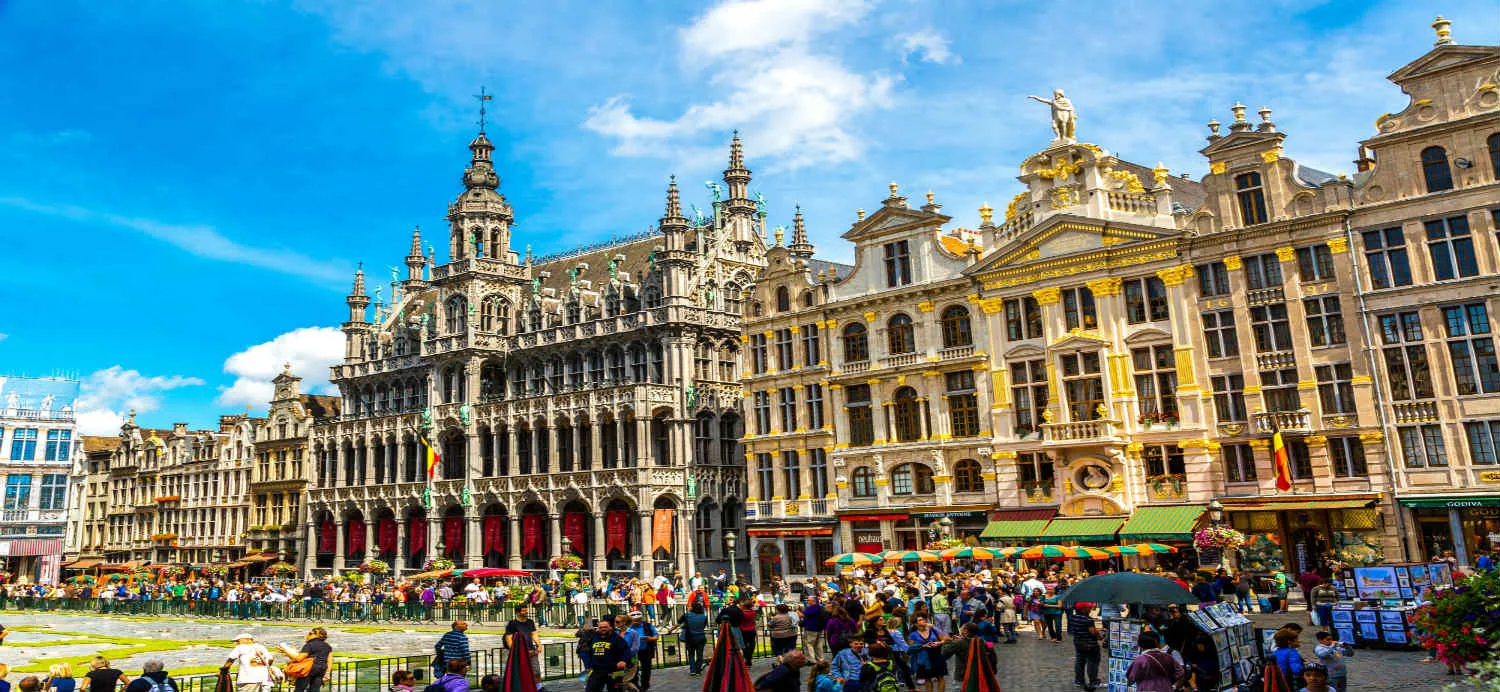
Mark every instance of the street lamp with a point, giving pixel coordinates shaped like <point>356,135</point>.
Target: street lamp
<point>567,546</point>
<point>1215,512</point>
<point>946,524</point>
<point>729,539</point>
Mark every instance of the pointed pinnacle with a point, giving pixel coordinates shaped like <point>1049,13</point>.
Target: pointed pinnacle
<point>736,153</point>
<point>416,242</point>
<point>674,204</point>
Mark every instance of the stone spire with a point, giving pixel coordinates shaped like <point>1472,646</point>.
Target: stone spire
<point>737,177</point>
<point>481,171</point>
<point>800,247</point>
<point>673,221</point>
<point>414,259</point>
<point>357,300</point>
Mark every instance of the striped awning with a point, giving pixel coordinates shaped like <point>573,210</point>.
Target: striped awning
<point>1007,525</point>
<point>83,563</point>
<point>236,565</point>
<point>1170,523</point>
<point>32,546</point>
<point>1080,529</point>
<point>1294,506</point>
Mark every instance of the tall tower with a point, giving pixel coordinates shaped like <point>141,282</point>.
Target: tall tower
<point>356,329</point>
<point>740,210</point>
<point>800,247</point>
<point>414,259</point>
<point>480,219</point>
<point>677,262</point>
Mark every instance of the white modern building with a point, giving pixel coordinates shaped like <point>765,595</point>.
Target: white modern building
<point>38,442</point>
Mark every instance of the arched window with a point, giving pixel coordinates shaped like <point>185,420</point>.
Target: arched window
<point>908,479</point>
<point>967,477</point>
<point>863,482</point>
<point>1435,169</point>
<point>783,299</point>
<point>1494,142</point>
<point>1252,198</point>
<point>494,315</point>
<point>457,315</point>
<point>901,336</point>
<point>856,343</point>
<point>908,415</point>
<point>733,302</point>
<point>956,331</point>
<point>807,299</point>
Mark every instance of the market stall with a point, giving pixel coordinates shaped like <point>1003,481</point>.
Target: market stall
<point>1377,604</point>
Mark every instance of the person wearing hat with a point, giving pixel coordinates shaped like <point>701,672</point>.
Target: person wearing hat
<point>254,663</point>
<point>1316,677</point>
<point>643,637</point>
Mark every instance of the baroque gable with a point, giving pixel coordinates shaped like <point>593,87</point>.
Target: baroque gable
<point>1065,245</point>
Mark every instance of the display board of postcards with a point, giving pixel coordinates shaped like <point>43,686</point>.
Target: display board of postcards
<point>1123,634</point>
<point>1234,641</point>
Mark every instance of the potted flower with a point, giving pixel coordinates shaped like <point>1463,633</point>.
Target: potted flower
<point>1024,431</point>
<point>1148,419</point>
<point>566,563</point>
<point>282,569</point>
<point>1222,537</point>
<point>437,564</point>
<point>215,571</point>
<point>172,572</point>
<point>375,567</point>
<point>1460,622</point>
<point>942,544</point>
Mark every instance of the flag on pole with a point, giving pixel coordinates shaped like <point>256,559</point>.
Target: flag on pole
<point>433,458</point>
<point>1279,459</point>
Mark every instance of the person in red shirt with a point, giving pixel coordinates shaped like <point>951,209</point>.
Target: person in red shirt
<point>747,628</point>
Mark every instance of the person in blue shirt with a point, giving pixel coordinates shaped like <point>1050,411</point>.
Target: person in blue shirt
<point>985,627</point>
<point>1287,656</point>
<point>644,647</point>
<point>847,663</point>
<point>1485,563</point>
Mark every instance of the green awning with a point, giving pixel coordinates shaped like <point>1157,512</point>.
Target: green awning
<point>1008,525</point>
<point>1296,506</point>
<point>1170,523</point>
<point>1081,529</point>
<point>1450,502</point>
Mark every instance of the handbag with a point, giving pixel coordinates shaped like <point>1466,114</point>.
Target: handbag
<point>299,668</point>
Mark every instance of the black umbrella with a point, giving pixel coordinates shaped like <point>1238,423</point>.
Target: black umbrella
<point>1128,587</point>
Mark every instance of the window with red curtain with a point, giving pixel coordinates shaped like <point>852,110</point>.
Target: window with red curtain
<point>453,536</point>
<point>416,531</point>
<point>327,540</point>
<point>493,531</point>
<point>385,536</point>
<point>356,533</point>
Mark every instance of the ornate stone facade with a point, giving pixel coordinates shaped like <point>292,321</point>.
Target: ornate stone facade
<point>279,479</point>
<point>563,395</point>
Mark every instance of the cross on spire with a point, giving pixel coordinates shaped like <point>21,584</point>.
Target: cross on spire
<point>483,97</point>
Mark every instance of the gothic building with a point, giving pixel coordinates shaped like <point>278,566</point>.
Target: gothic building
<point>585,402</point>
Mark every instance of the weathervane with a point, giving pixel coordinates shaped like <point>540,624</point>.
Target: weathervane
<point>482,98</point>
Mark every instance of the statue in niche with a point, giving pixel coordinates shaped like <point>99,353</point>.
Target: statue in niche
<point>1095,478</point>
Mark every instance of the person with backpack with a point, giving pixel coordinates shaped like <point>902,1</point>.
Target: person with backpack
<point>784,677</point>
<point>848,665</point>
<point>604,653</point>
<point>879,673</point>
<point>254,663</point>
<point>644,638</point>
<point>153,679</point>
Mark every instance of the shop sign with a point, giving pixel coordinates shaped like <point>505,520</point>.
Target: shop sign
<point>951,515</point>
<point>1490,476</point>
<point>1452,502</point>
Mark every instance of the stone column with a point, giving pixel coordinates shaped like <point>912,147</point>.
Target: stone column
<point>310,556</point>
<point>471,450</point>
<point>578,436</point>
<point>596,569</point>
<point>434,532</point>
<point>686,545</point>
<point>643,442</point>
<point>473,548</point>
<point>340,529</point>
<point>513,548</point>
<point>370,547</point>
<point>648,563</point>
<point>596,443</point>
<point>403,551</point>
<point>554,533</point>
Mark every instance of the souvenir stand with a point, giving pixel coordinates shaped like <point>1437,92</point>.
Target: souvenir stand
<point>1233,636</point>
<point>1122,633</point>
<point>1377,604</point>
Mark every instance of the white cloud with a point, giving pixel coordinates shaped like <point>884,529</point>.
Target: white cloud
<point>310,350</point>
<point>108,395</point>
<point>774,80</point>
<point>200,240</point>
<point>931,46</point>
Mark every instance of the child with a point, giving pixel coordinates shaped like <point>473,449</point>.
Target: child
<point>1331,654</point>
<point>820,679</point>
<point>1317,678</point>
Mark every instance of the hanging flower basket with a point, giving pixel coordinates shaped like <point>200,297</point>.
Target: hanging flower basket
<point>374,567</point>
<point>1460,624</point>
<point>215,570</point>
<point>944,544</point>
<point>1222,537</point>
<point>437,564</point>
<point>282,569</point>
<point>567,563</point>
<point>173,572</point>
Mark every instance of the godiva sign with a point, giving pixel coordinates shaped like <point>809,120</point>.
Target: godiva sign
<point>1450,502</point>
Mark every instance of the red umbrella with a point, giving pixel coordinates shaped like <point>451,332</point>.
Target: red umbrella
<point>727,671</point>
<point>519,677</point>
<point>978,676</point>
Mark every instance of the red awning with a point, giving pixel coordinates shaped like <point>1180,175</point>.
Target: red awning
<point>790,532</point>
<point>32,546</point>
<point>872,517</point>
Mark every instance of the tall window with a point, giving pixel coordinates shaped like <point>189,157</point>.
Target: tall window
<point>967,478</point>
<point>1494,142</point>
<point>1219,334</point>
<point>60,443</point>
<point>1239,463</point>
<point>1471,348</point>
<point>1213,280</point>
<point>814,406</point>
<point>1163,459</point>
<point>1271,327</point>
<point>791,472</point>
<point>902,336</point>
<point>759,362</point>
<point>1029,390</point>
<point>908,479</point>
<point>1315,263</point>
<point>784,350</point>
<point>1279,388</point>
<point>1385,254</point>
<point>762,409</point>
<point>1484,439</point>
<point>23,444</point>
<point>956,329</point>
<point>817,471</point>
<point>783,299</point>
<point>1422,446</point>
<point>856,343</point>
<point>54,491</point>
<point>457,315</point>
<point>1145,300</point>
<point>861,422</point>
<point>18,491</point>
<point>788,408</point>
<point>908,415</point>
<point>1335,388</point>
<point>1435,169</point>
<point>812,349</point>
<point>963,406</point>
<point>1406,365</point>
<point>1229,397</point>
<point>766,474</point>
<point>1252,198</point>
<point>1084,385</point>
<point>1263,271</point>
<point>897,264</point>
<point>1156,380</point>
<point>1300,460</point>
<point>862,482</point>
<point>1036,475</point>
<point>1347,455</point>
<point>1023,319</point>
<point>1078,308</point>
<point>1325,321</point>
<point>1451,248</point>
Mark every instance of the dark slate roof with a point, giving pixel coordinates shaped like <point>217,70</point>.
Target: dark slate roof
<point>321,406</point>
<point>836,270</point>
<point>636,249</point>
<point>1314,177</point>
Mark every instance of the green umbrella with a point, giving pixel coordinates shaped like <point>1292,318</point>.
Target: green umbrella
<point>855,559</point>
<point>1128,587</point>
<point>1122,550</point>
<point>1153,548</point>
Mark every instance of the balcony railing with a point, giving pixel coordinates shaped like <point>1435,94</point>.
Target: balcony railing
<point>1077,431</point>
<point>1167,486</point>
<point>763,508</point>
<point>1039,492</point>
<point>899,360</point>
<point>1275,360</point>
<point>1131,202</point>
<point>1415,411</point>
<point>820,508</point>
<point>1285,421</point>
<point>857,366</point>
<point>956,352</point>
<point>1262,296</point>
<point>1340,420</point>
<point>39,414</point>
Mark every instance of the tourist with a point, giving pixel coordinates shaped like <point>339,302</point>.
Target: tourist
<point>848,664</point>
<point>879,674</point>
<point>453,645</point>
<point>402,681</point>
<point>520,635</point>
<point>814,628</point>
<point>1034,611</point>
<point>782,630</point>
<point>1308,579</point>
<point>604,653</point>
<point>60,678</point>
<point>1331,653</point>
<point>153,679</point>
<point>644,642</point>
<point>942,611</point>
<point>820,679</point>
<point>1006,616</point>
<point>747,628</point>
<point>733,615</point>
<point>1052,614</point>
<point>1242,589</point>
<point>1286,656</point>
<point>254,663</point>
<point>1153,670</point>
<point>102,678</point>
<point>29,683</point>
<point>693,624</point>
<point>1281,584</point>
<point>928,668</point>
<point>456,677</point>
<point>314,645</point>
<point>4,672</point>
<point>1086,638</point>
<point>784,677</point>
<point>1317,679</point>
<point>1322,597</point>
<point>492,683</point>
<point>958,650</point>
<point>580,602</point>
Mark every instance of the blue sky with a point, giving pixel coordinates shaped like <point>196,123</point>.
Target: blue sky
<point>185,188</point>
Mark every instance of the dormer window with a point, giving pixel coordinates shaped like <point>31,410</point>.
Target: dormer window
<point>1252,198</point>
<point>897,264</point>
<point>1435,169</point>
<point>783,299</point>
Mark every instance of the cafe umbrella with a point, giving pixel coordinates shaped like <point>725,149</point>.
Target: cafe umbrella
<point>1128,587</point>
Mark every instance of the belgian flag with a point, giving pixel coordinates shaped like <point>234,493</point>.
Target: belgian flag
<point>433,458</point>
<point>727,671</point>
<point>1280,461</point>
